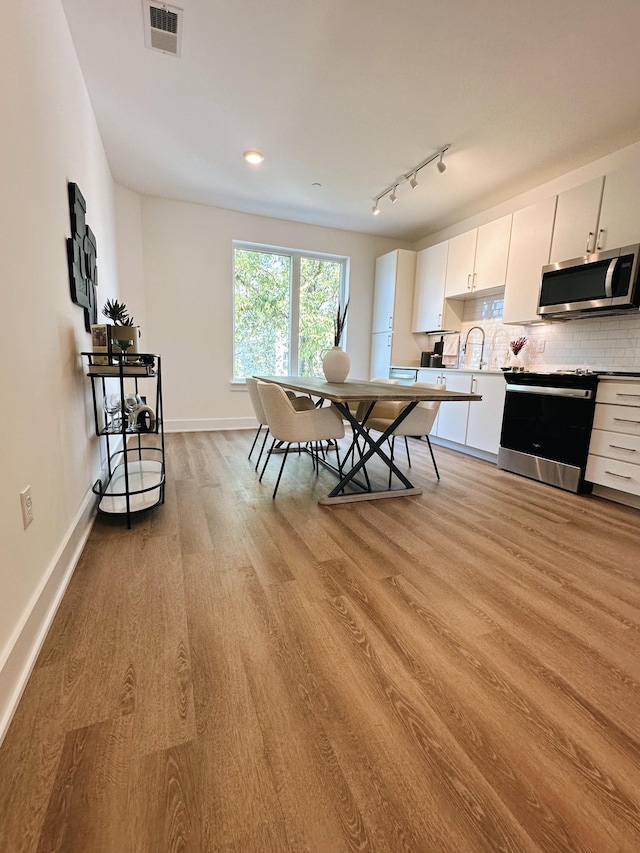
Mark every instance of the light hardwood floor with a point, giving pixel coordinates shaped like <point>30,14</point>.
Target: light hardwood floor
<point>447,673</point>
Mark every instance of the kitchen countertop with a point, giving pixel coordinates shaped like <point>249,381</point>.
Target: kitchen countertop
<point>438,369</point>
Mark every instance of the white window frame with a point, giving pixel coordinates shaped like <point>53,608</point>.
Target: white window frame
<point>296,256</point>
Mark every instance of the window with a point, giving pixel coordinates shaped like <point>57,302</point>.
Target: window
<point>285,305</point>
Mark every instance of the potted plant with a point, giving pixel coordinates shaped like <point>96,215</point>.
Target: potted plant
<point>124,332</point>
<point>336,363</point>
<point>516,348</point>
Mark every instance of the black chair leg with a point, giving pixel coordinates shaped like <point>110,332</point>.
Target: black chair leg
<point>264,441</point>
<point>433,458</point>
<point>284,459</point>
<point>266,461</point>
<point>406,444</point>
<point>255,438</point>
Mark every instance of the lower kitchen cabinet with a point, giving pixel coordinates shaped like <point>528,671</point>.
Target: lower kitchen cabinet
<point>452,417</point>
<point>614,451</point>
<point>485,418</point>
<point>475,426</point>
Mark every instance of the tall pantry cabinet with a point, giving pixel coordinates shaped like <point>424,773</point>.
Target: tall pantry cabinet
<point>392,341</point>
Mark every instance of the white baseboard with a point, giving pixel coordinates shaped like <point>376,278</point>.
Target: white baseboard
<point>463,448</point>
<point>210,424</point>
<point>24,646</point>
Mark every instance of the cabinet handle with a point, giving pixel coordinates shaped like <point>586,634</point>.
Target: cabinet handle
<point>469,282</point>
<point>620,447</point>
<point>599,243</point>
<point>627,421</point>
<point>391,322</point>
<point>389,341</point>
<point>621,476</point>
<point>440,326</point>
<point>588,242</point>
<point>473,281</point>
<point>622,394</point>
<point>474,382</point>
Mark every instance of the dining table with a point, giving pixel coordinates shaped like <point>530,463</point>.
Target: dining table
<point>354,483</point>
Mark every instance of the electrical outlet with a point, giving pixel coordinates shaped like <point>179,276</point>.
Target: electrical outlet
<point>540,345</point>
<point>27,506</point>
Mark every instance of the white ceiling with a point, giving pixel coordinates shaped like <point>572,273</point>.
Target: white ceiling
<point>353,93</point>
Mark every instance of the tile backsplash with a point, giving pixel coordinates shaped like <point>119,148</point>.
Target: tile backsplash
<point>611,343</point>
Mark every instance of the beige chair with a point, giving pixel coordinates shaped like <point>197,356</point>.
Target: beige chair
<point>418,422</point>
<point>299,403</point>
<point>291,426</point>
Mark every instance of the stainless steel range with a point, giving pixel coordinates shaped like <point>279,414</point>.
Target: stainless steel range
<point>546,427</point>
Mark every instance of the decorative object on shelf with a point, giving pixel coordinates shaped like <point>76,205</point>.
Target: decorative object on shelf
<point>336,363</point>
<point>101,342</point>
<point>124,332</point>
<point>145,418</point>
<point>81,256</point>
<point>516,348</point>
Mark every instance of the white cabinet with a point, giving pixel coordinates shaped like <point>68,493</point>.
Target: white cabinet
<point>462,253</point>
<point>576,224</point>
<point>484,423</point>
<point>528,252</point>
<point>478,259</point>
<point>385,291</point>
<point>619,223</point>
<point>430,311</point>
<point>475,425</point>
<point>614,451</point>
<point>452,416</point>
<point>380,354</point>
<point>492,251</point>
<point>392,341</point>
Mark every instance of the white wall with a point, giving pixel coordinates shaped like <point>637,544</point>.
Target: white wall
<point>188,258</point>
<point>49,137</point>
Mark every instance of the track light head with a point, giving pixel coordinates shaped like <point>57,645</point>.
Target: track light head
<point>413,182</point>
<point>375,209</point>
<point>440,165</point>
<point>393,198</point>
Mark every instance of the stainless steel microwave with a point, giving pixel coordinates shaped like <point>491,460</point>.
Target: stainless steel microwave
<point>599,284</point>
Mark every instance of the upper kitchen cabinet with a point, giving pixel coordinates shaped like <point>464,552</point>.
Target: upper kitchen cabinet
<point>477,262</point>
<point>393,307</point>
<point>576,224</point>
<point>619,223</point>
<point>431,313</point>
<point>529,249</point>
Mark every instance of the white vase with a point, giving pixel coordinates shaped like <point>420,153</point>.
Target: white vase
<point>515,361</point>
<point>335,365</point>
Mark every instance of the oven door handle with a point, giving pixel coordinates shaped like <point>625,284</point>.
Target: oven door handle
<point>577,393</point>
<point>608,280</point>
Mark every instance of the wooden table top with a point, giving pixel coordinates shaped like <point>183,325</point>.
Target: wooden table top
<point>356,390</point>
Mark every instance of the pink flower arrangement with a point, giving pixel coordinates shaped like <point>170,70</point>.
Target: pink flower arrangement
<point>517,345</point>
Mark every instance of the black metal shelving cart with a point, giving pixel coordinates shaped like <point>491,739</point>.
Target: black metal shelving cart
<point>134,438</point>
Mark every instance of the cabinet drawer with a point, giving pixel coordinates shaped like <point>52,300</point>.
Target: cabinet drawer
<point>614,474</point>
<point>615,445</point>
<point>625,419</point>
<point>621,393</point>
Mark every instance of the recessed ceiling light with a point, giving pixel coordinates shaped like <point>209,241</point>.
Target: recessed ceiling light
<point>254,157</point>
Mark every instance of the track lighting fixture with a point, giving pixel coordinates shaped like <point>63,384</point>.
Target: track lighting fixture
<point>412,177</point>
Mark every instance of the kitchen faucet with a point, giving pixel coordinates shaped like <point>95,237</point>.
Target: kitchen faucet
<point>481,363</point>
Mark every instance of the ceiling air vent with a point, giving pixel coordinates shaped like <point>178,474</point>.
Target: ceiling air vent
<point>162,27</point>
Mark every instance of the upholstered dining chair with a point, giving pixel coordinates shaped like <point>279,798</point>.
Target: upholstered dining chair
<point>418,422</point>
<point>291,426</point>
<point>300,403</point>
